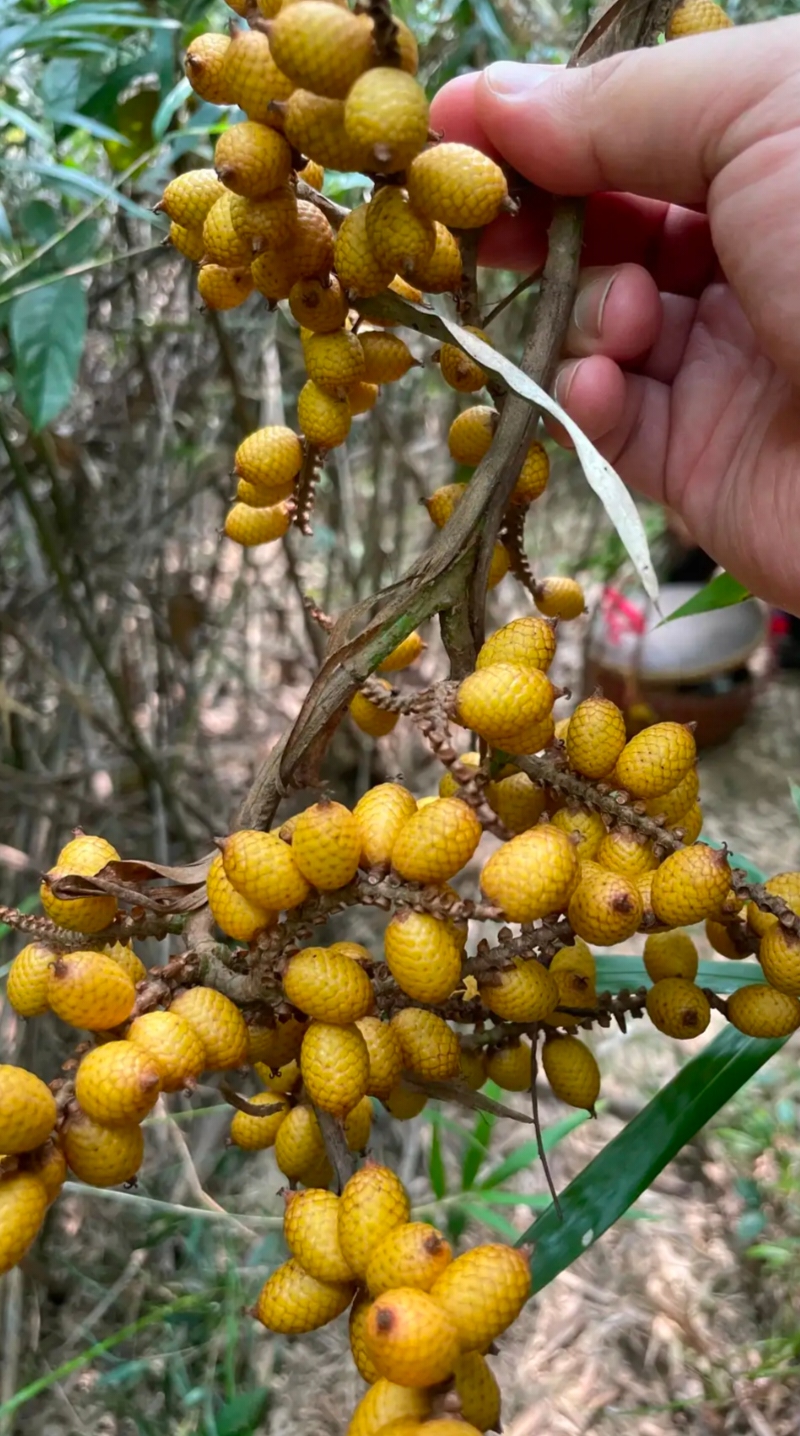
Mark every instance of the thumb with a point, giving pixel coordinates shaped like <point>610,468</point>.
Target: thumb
<point>661,122</point>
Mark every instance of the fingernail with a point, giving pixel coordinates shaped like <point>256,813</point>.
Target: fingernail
<point>587,313</point>
<point>514,82</point>
<point>564,380</point>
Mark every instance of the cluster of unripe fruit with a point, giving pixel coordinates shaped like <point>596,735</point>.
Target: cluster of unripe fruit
<point>421,1321</point>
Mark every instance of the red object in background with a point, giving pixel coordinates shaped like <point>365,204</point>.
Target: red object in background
<point>620,615</point>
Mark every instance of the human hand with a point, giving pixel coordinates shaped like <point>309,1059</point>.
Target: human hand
<point>682,359</point>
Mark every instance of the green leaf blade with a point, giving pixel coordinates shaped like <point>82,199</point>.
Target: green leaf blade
<point>721,592</point>
<point>47,329</point>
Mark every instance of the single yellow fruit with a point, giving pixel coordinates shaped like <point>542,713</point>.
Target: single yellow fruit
<point>188,198</point>
<point>358,1126</point>
<point>670,954</point>
<point>221,288</point>
<point>528,642</point>
<point>328,986</point>
<point>605,907</point>
<point>358,1346</point>
<point>256,1134</point>
<point>27,1110</point>
<point>312,174</point>
<point>263,869</point>
<point>291,1301</point>
<point>323,418</point>
<point>334,361</point>
<point>403,1103</point>
<point>478,1393</point>
<point>86,850</point>
<point>721,937</point>
<point>313,242</point>
<point>278,1079</point>
<point>252,78</point>
<point>118,1083</point>
<point>533,476</point>
<point>505,704</point>
<point>298,1144</point>
<point>442,504</point>
<point>373,1203</point>
<point>588,825</point>
<point>498,568</point>
<point>315,125</point>
<point>250,526</point>
<point>423,955</point>
<point>471,433</point>
<point>23,1203</point>
<point>218,1023</point>
<point>124,955</point>
<point>510,1066</point>
<point>441,274</point>
<point>326,845</point>
<point>398,237</point>
<point>458,369</point>
<point>413,1255</point>
<point>90,989</point>
<point>386,357</point>
<point>311,1231</point>
<point>429,1047</point>
<point>779,955</point>
<point>354,950</point>
<point>572,1071</point>
<point>625,851</point>
<point>374,721</point>
<point>270,457</point>
<point>204,67</point>
<point>102,1156</point>
<point>385,1057</point>
<point>760,1011</point>
<point>320,47</point>
<point>49,1164</point>
<point>274,272</point>
<point>265,223</point>
<point>26,987</point>
<point>232,912</point>
<point>696,17</point>
<point>517,801</point>
<point>362,398</point>
<point>691,885</point>
<point>560,598</point>
<point>358,267</point>
<point>484,1291</point>
<point>335,1064</point>
<point>473,1067</point>
<point>188,242</point>
<point>406,653</point>
<point>380,815</point>
<point>678,1008</point>
<point>405,291</point>
<point>448,787</point>
<point>532,875</point>
<point>457,185</point>
<point>784,885</point>
<point>671,806</point>
<point>85,856</point>
<point>222,243</point>
<point>386,1402</point>
<point>596,737</point>
<point>691,824</point>
<point>275,1044</point>
<point>173,1044</point>
<point>252,159</point>
<point>655,760</point>
<point>523,992</point>
<point>386,115</point>
<point>410,1338</point>
<point>437,842</point>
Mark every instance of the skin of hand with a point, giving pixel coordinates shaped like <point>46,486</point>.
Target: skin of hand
<point>682,360</point>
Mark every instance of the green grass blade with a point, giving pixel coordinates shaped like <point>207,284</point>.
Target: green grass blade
<point>528,1152</point>
<point>719,592</point>
<point>482,1136</point>
<point>436,1172</point>
<point>605,1189</point>
<point>490,1218</point>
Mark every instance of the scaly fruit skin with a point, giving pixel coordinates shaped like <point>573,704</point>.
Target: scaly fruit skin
<point>558,597</point>
<point>575,989</point>
<point>572,1071</point>
<point>315,125</point>
<point>358,1346</point>
<point>720,936</point>
<point>413,1255</point>
<point>282,1079</point>
<point>691,824</point>
<point>588,825</point>
<point>605,907</point>
<point>334,361</point>
<point>532,875</point>
<point>317,305</point>
<point>478,1392</point>
<point>263,870</point>
<point>783,885</point>
<point>760,1011</point>
<point>498,568</point>
<point>252,159</point>
<point>442,504</point>
<point>398,237</point>
<point>655,760</point>
<point>274,271</point>
<point>596,737</point>
<point>696,17</point>
<point>385,1402</point>
<point>533,476</point>
<point>423,955</point>
<point>313,242</point>
<point>410,1338</point>
<point>321,48</point>
<point>627,852</point>
<point>188,198</point>
<point>257,1134</point>
<point>528,642</point>
<point>456,185</point>
<point>221,288</point>
<point>270,457</point>
<point>436,843</point>
<point>328,986</point>
<point>27,1110</point>
<point>102,1156</point>
<point>358,1126</point>
<point>670,954</point>
<point>118,1083</point>
<point>510,1066</point>
<point>265,223</point>
<point>311,1232</point>
<point>406,653</point>
<point>429,1047</point>
<point>690,885</point>
<point>85,851</point>
<point>125,956</point>
<point>234,914</point>
<point>323,418</point>
<point>386,357</point>
<point>23,1203</point>
<point>517,801</point>
<point>473,1067</point>
<point>188,242</point>
<point>523,992</point>
<point>90,989</point>
<point>276,1044</point>
<point>374,721</point>
<point>173,1044</point>
<point>218,1023</point>
<point>385,1057</point>
<point>26,988</point>
<point>222,243</point>
<point>386,115</point>
<point>312,174</point>
<point>356,264</point>
<point>250,526</point>
<point>204,67</point>
<point>362,398</point>
<point>373,1203</point>
<point>678,1008</point>
<point>291,1301</point>
<point>484,1291</point>
<point>252,78</point>
<point>457,368</point>
<point>299,1144</point>
<point>83,914</point>
<point>441,274</point>
<point>471,432</point>
<point>448,786</point>
<point>326,845</point>
<point>671,806</point>
<point>779,955</point>
<point>335,1064</point>
<point>49,1164</point>
<point>403,1103</point>
<point>505,705</point>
